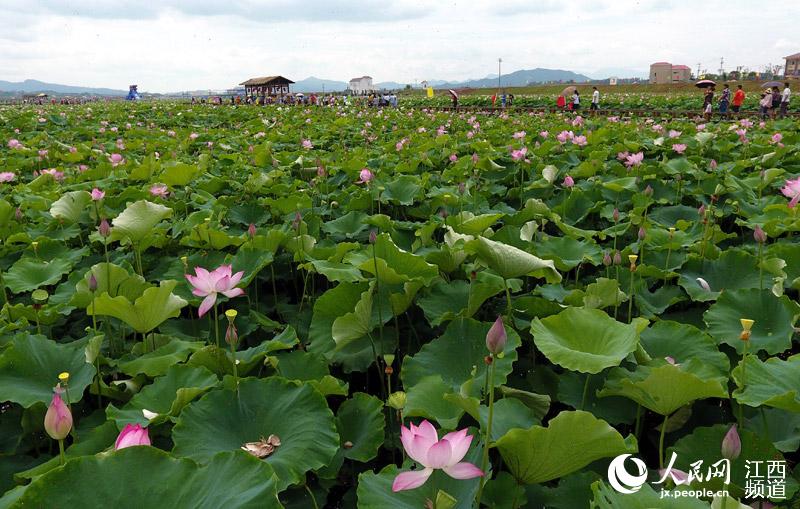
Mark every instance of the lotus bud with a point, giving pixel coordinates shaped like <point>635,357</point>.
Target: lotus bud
<point>373,236</point>
<point>18,214</point>
<point>58,419</point>
<point>92,282</point>
<point>607,259</point>
<point>760,235</point>
<point>703,284</point>
<point>397,400</point>
<point>731,444</point>
<point>298,218</point>
<point>569,182</point>
<point>701,211</point>
<point>642,233</point>
<point>462,188</point>
<point>713,164</point>
<point>104,229</point>
<point>615,215</point>
<point>251,230</point>
<point>231,334</point>
<point>131,435</point>
<point>617,258</point>
<point>496,337</point>
<point>648,191</point>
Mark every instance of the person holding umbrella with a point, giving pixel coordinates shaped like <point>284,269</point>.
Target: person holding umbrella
<point>776,101</point>
<point>708,102</point>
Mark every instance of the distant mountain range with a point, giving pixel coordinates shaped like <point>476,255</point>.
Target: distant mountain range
<point>519,78</point>
<point>36,86</point>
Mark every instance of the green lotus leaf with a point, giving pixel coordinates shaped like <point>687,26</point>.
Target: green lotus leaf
<point>179,174</point>
<point>251,262</point>
<point>585,340</point>
<point>603,293</point>
<point>457,356</point>
<point>30,366</point>
<point>308,367</point>
<point>391,264</point>
<point>159,361</point>
<point>165,481</point>
<point>470,224</point>
<point>774,320</point>
<point>509,413</point>
<point>336,271</point>
<point>774,382</point>
<point>70,206</point>
<point>733,270</point>
<point>111,279</point>
<point>511,262</point>
<point>224,421</point>
<point>355,324</point>
<point>138,220</point>
<point>402,189</point>
<point>349,225</point>
<point>571,441</point>
<point>361,426</point>
<point>428,399</point>
<point>166,396</point>
<point>662,389</point>
<point>614,410</point>
<point>148,311</point>
<point>687,345</point>
<point>568,253</point>
<point>29,274</point>
<point>605,497</point>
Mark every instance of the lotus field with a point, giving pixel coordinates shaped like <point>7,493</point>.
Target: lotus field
<point>246,307</point>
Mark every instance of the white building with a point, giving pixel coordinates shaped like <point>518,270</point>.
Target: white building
<point>362,85</point>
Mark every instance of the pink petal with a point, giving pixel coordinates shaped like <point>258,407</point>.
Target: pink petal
<point>206,304</point>
<point>439,454</point>
<point>236,278</point>
<point>199,292</point>
<point>407,438</point>
<point>460,442</point>
<point>411,480</point>
<point>223,283</point>
<point>427,430</point>
<point>793,202</point>
<point>419,449</point>
<point>463,470</point>
<point>233,293</point>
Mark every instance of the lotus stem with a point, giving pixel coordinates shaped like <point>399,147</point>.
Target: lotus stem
<point>661,442</point>
<point>585,390</point>
<point>235,369</point>
<point>760,268</point>
<point>61,455</point>
<point>311,494</point>
<point>630,298</point>
<point>216,324</point>
<point>485,458</point>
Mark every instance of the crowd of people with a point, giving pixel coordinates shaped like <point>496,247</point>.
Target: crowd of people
<point>772,103</point>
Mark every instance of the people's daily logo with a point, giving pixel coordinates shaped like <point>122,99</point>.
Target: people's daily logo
<point>623,481</point>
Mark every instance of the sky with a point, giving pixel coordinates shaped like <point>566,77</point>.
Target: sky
<point>174,45</point>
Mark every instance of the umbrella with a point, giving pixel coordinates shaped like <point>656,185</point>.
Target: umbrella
<point>299,95</point>
<point>453,93</point>
<point>705,84</point>
<point>771,84</point>
<point>568,91</point>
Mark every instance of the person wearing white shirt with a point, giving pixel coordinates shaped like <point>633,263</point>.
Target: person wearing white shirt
<point>595,99</point>
<point>785,96</point>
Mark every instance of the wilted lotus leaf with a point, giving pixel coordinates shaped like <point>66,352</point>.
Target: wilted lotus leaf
<point>263,447</point>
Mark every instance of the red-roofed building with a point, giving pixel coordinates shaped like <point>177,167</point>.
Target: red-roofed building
<point>665,72</point>
<point>792,67</point>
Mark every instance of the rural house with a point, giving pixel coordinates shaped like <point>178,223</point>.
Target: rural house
<point>362,85</point>
<point>792,67</point>
<point>267,85</point>
<point>665,72</point>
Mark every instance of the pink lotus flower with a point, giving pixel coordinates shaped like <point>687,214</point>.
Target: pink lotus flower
<point>12,143</point>
<point>578,121</point>
<point>209,284</point>
<point>43,153</point>
<point>563,136</point>
<point>745,123</point>
<point>777,137</point>
<point>680,148</point>
<point>792,190</point>
<point>673,133</point>
<point>193,136</point>
<point>423,446</point>
<point>474,158</point>
<point>131,435</point>
<point>519,135</point>
<point>58,419</point>
<point>307,144</point>
<point>496,337</point>
<point>365,176</point>
<point>579,141</point>
<point>621,156</point>
<point>159,190</point>
<point>703,284</point>
<point>678,476</point>
<point>701,127</point>
<point>634,159</point>
<point>731,444</point>
<point>517,155</point>
<point>470,135</point>
<point>657,128</point>
<point>57,175</point>
<point>7,176</point>
<point>72,150</point>
<point>762,124</point>
<point>544,134</point>
<point>453,158</point>
<point>116,159</point>
<point>97,194</point>
<point>569,182</point>
<point>759,235</point>
<point>713,164</point>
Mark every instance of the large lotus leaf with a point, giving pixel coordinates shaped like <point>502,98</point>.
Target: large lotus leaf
<point>734,269</point>
<point>308,367</point>
<point>375,489</point>
<point>179,174</point>
<point>70,206</point>
<point>774,320</point>
<point>349,225</point>
<point>582,339</point>
<point>361,426</point>
<point>605,497</point>
<point>355,324</point>
<point>568,253</point>
<point>684,343</point>
<point>402,189</point>
<point>111,279</point>
<point>774,383</point>
<point>603,293</point>
<point>337,271</point>
<point>158,362</point>
<point>138,220</point>
<point>230,480</point>
<point>457,356</point>
<point>444,301</point>
<point>705,444</point>
<point>147,312</point>
<point>571,441</point>
<point>391,264</point>
<point>662,389</point>
<point>251,262</point>
<point>510,261</point>
<point>29,274</point>
<point>166,396</point>
<point>428,399</point>
<point>470,224</point>
<point>614,410</point>
<point>224,421</point>
<point>29,369</point>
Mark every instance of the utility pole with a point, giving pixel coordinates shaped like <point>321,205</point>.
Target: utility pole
<point>698,70</point>
<point>721,67</point>
<point>499,73</point>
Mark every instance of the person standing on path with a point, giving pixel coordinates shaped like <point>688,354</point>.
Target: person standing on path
<point>785,96</point>
<point>595,99</point>
<point>576,100</point>
<point>725,100</point>
<point>738,99</point>
<point>777,98</point>
<point>708,102</point>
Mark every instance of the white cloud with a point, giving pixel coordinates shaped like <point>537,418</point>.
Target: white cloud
<point>181,44</point>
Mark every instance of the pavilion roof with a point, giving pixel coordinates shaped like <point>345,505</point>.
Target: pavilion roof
<point>267,80</point>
